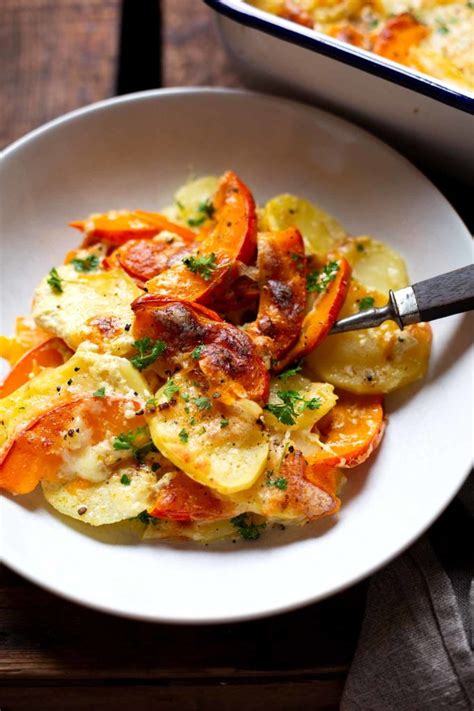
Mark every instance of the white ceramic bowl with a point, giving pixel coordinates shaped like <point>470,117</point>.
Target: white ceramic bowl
<point>428,119</point>
<point>134,151</point>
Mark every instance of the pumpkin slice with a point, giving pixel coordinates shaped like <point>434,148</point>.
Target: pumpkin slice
<point>62,439</point>
<point>197,275</point>
<point>49,354</point>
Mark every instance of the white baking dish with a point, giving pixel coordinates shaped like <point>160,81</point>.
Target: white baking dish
<point>428,119</point>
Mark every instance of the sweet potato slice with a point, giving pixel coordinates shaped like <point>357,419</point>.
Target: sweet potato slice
<point>232,238</point>
<point>319,320</point>
<point>226,353</point>
<point>282,277</point>
<point>118,226</point>
<point>49,354</point>
<point>183,499</point>
<point>352,430</point>
<point>398,37</point>
<point>37,453</point>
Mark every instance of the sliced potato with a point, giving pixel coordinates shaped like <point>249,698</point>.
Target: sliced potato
<point>94,306</point>
<point>106,502</point>
<point>217,445</point>
<point>374,264</point>
<point>319,229</point>
<point>83,374</point>
<point>376,360</point>
<point>306,415</point>
<point>189,199</point>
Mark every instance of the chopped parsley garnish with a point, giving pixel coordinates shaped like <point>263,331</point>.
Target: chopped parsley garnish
<point>148,351</point>
<point>196,221</point>
<point>298,259</point>
<point>184,436</point>
<point>185,397</point>
<point>204,265</point>
<point>207,208</point>
<point>280,483</point>
<point>86,265</point>
<point>125,480</point>
<point>224,422</point>
<point>145,518</point>
<point>247,529</point>
<point>290,372</point>
<point>366,302</point>
<point>55,281</point>
<point>443,30</point>
<point>360,247</point>
<point>319,280</point>
<point>151,404</point>
<point>99,393</point>
<point>137,441</point>
<point>202,403</point>
<point>293,405</point>
<point>197,352</point>
<point>170,389</point>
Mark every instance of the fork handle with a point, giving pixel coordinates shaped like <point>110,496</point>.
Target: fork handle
<point>445,295</point>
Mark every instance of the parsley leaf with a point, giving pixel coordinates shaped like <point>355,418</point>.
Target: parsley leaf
<point>224,422</point>
<point>366,302</point>
<point>247,529</point>
<point>319,280</point>
<point>204,265</point>
<point>138,441</point>
<point>145,518</point>
<point>170,389</point>
<point>125,480</point>
<point>148,351</point>
<point>207,208</point>
<point>290,372</point>
<point>55,281</point>
<point>202,403</point>
<point>197,352</point>
<point>99,393</point>
<point>184,436</point>
<point>196,221</point>
<point>86,265</point>
<point>280,483</point>
<point>293,405</point>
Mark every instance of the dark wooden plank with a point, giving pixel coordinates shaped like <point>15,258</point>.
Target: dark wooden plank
<point>55,55</point>
<point>316,695</point>
<point>192,52</point>
<point>45,637</point>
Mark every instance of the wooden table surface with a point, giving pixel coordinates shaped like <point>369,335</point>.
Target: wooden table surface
<point>57,55</point>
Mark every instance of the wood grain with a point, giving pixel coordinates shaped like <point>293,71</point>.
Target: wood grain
<point>55,55</point>
<point>45,637</point>
<point>192,52</point>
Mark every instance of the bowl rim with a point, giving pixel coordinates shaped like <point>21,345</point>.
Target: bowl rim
<point>301,36</point>
<point>296,604</point>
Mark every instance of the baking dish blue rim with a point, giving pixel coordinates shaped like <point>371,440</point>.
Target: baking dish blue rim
<point>419,84</point>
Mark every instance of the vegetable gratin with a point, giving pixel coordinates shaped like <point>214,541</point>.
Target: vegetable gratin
<point>435,37</point>
<point>177,370</point>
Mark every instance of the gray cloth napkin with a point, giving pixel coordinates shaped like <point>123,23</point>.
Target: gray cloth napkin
<point>415,648</point>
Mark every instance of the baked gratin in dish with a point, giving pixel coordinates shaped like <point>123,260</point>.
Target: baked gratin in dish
<point>435,37</point>
<point>177,370</point>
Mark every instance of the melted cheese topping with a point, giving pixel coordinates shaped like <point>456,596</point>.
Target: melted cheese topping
<point>443,48</point>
